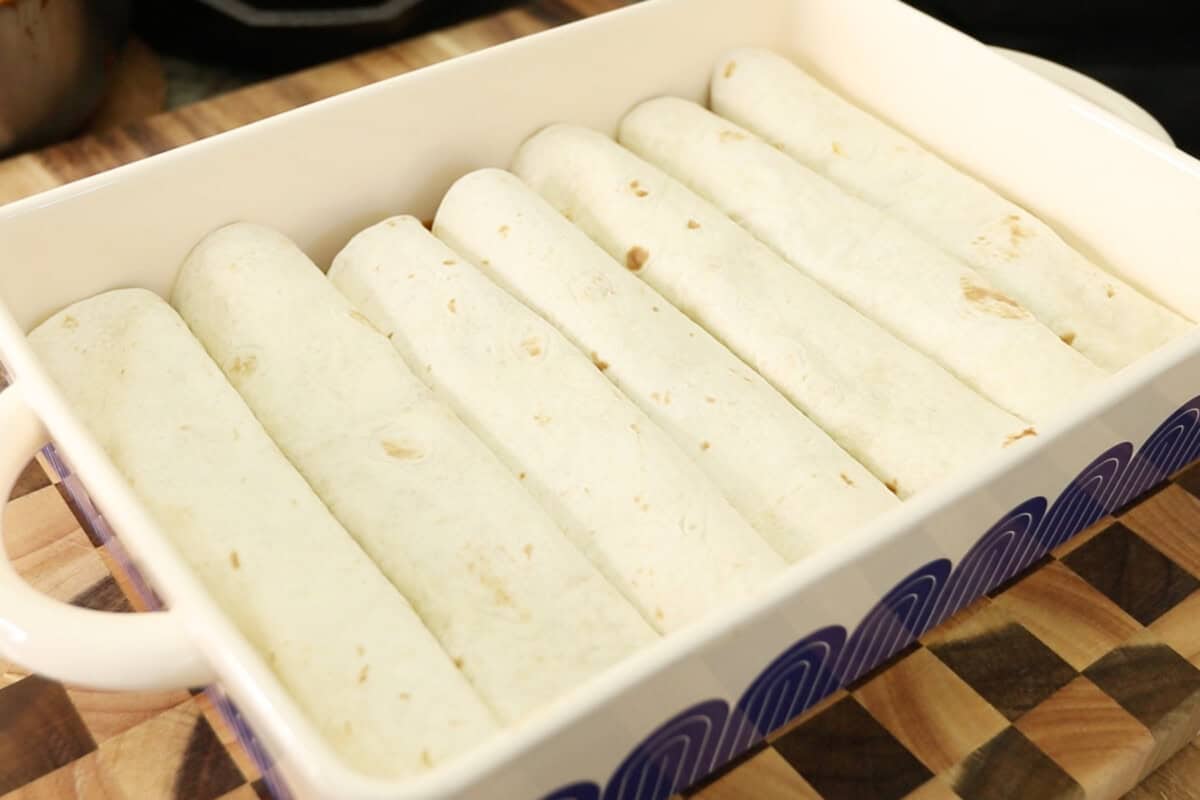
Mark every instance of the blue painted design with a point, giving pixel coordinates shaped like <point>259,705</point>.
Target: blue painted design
<point>584,790</point>
<point>1094,493</point>
<point>902,615</point>
<point>795,681</point>
<point>1008,547</point>
<point>677,754</point>
<point>1173,445</point>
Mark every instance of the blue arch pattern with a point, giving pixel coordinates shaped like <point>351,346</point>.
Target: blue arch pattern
<point>1092,494</point>
<point>1174,444</point>
<point>1007,548</point>
<point>902,615</point>
<point>584,790</point>
<point>708,734</point>
<point>791,684</point>
<point>676,755</point>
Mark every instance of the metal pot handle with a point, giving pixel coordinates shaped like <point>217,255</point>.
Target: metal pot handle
<point>104,650</point>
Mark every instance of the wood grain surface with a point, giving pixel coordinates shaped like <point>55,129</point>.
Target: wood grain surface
<point>1076,681</point>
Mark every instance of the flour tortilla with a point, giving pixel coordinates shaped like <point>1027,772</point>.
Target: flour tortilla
<point>1102,317</point>
<point>922,295</point>
<point>645,515</point>
<point>908,420</point>
<point>510,598</point>
<point>341,639</point>
<point>803,491</point>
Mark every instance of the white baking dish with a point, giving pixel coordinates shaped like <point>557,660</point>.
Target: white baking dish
<point>672,714</point>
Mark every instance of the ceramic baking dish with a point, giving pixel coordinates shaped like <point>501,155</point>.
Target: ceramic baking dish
<point>672,714</point>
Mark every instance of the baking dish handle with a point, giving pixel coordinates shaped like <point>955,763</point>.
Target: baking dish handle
<point>100,649</point>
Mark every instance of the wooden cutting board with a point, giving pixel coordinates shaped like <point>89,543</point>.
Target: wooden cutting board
<point>1076,680</point>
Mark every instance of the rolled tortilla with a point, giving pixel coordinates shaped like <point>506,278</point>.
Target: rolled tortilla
<point>922,295</point>
<point>803,492</point>
<point>341,639</point>
<point>515,604</point>
<point>644,514</point>
<point>1102,317</point>
<point>908,420</point>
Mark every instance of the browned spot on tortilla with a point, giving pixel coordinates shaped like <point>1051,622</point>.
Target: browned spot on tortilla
<point>708,398</point>
<point>499,593</point>
<point>458,662</point>
<point>633,426</point>
<point>846,479</point>
<point>362,673</point>
<point>837,149</point>
<point>1068,337</point>
<point>636,258</point>
<point>403,695</point>
<point>541,419</point>
<point>662,399</point>
<point>600,363</point>
<point>655,309</point>
<point>452,306</point>
<point>363,319</point>
<point>449,262</point>
<point>637,189</point>
<point>991,301</point>
<point>234,561</point>
<point>70,322</point>
<point>400,450</point>
<point>705,445</point>
<point>520,476</point>
<point>640,503</point>
<point>729,68</point>
<point>503,231</point>
<point>893,486</point>
<point>658,614</point>
<point>527,550</point>
<point>532,346</point>
<point>1018,436</point>
<point>732,136</point>
<point>244,366</point>
<point>1015,232</point>
<point>693,225</point>
<point>1110,291</point>
<point>641,193</point>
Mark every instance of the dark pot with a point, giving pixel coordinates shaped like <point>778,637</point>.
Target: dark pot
<point>56,58</point>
